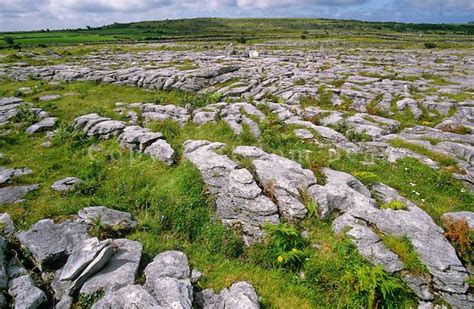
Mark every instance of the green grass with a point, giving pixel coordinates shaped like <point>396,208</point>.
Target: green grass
<point>404,249</point>
<point>440,158</point>
<point>174,212</point>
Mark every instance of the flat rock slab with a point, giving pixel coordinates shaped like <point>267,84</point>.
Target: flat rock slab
<point>130,296</point>
<point>65,185</point>
<point>6,174</point>
<point>168,264</point>
<point>49,97</point>
<point>239,295</point>
<point>120,271</point>
<point>118,220</point>
<point>162,151</point>
<point>82,256</point>
<point>168,280</point>
<point>468,216</point>
<point>6,222</point>
<point>99,261</point>
<point>15,194</point>
<point>284,178</point>
<point>44,125</point>
<point>25,293</point>
<point>51,243</point>
<point>240,201</point>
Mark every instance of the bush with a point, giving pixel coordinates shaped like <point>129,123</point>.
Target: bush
<point>25,115</point>
<point>430,45</point>
<point>242,40</point>
<point>9,40</point>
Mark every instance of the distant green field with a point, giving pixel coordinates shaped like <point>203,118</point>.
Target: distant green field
<point>251,29</point>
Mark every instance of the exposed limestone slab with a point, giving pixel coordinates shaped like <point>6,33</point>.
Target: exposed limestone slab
<point>120,271</point>
<point>50,243</point>
<point>106,129</point>
<point>130,296</point>
<point>284,178</point>
<point>82,256</point>
<point>65,185</point>
<point>7,227</point>
<point>115,219</point>
<point>154,112</point>
<point>344,193</point>
<point>239,199</point>
<point>98,262</point>
<point>239,295</point>
<point>25,293</point>
<point>43,125</point>
<point>138,138</point>
<point>162,151</point>
<point>15,194</point>
<point>6,174</point>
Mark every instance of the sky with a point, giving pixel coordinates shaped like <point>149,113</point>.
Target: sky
<point>61,14</point>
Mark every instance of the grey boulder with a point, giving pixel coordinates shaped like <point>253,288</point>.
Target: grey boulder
<point>44,125</point>
<point>239,295</point>
<point>15,194</point>
<point>130,296</point>
<point>25,294</point>
<point>120,270</point>
<point>168,280</point>
<point>65,185</point>
<point>51,243</point>
<point>114,219</point>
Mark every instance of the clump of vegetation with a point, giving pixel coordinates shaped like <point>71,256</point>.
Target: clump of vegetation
<point>430,45</point>
<point>462,237</point>
<point>458,129</point>
<point>299,82</point>
<point>309,203</point>
<point>9,40</point>
<point>242,39</point>
<point>374,287</point>
<point>285,246</point>
<point>355,136</point>
<point>394,204</point>
<point>403,248</point>
<point>25,115</point>
<point>366,178</point>
<point>186,65</point>
<point>442,159</point>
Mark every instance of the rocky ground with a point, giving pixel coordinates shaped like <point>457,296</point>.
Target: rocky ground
<point>276,140</point>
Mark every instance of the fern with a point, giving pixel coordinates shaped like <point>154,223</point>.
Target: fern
<point>373,287</point>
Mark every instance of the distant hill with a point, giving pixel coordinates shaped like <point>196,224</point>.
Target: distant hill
<point>230,29</point>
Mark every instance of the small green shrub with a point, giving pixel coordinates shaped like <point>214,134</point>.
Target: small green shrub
<point>299,82</point>
<point>430,45</point>
<point>355,136</point>
<point>367,178</point>
<point>24,114</point>
<point>403,248</point>
<point>394,204</point>
<point>242,39</point>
